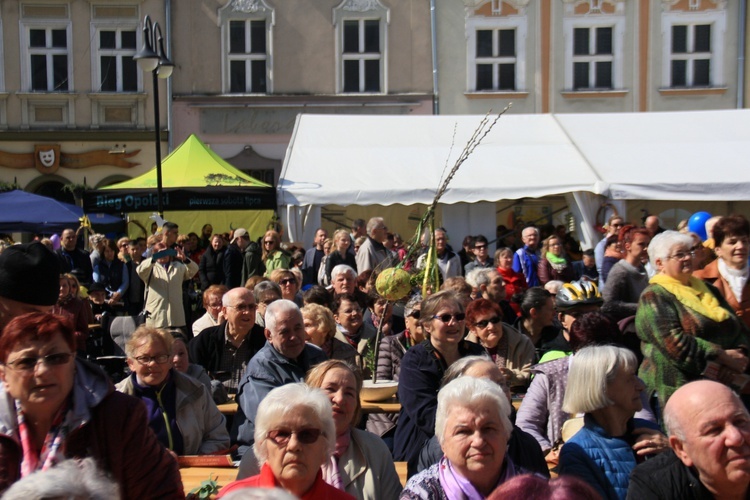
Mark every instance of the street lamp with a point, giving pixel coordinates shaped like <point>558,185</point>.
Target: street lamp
<point>153,58</point>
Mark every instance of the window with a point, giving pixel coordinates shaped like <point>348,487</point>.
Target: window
<point>496,59</point>
<point>592,58</point>
<point>361,46</point>
<point>117,71</point>
<point>247,56</point>
<point>691,55</point>
<point>693,49</point>
<point>247,34</point>
<point>48,52</point>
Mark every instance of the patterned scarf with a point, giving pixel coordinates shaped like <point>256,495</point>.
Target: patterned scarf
<point>458,487</point>
<point>695,296</point>
<point>52,451</point>
<point>331,472</point>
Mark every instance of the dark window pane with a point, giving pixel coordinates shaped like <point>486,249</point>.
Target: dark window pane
<point>372,36</point>
<point>236,37</point>
<point>129,75</point>
<point>604,74</point>
<point>351,76</point>
<point>258,76</point>
<point>679,39</point>
<point>679,73</point>
<point>581,41</point>
<point>258,37</point>
<point>128,40</point>
<point>237,77</point>
<point>372,76</point>
<point>507,41</point>
<point>38,72</point>
<point>484,43</point>
<point>60,72</point>
<point>702,73</point>
<point>107,39</point>
<point>37,38</point>
<point>108,74</point>
<point>351,36</point>
<point>59,39</point>
<point>484,77</point>
<point>702,38</point>
<point>580,75</point>
<point>604,40</point>
<point>507,77</point>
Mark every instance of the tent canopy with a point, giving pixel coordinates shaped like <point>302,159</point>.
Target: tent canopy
<point>365,160</point>
<point>193,178</point>
<point>26,212</point>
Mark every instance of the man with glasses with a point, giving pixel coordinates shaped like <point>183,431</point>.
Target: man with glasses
<point>225,350</point>
<point>481,251</point>
<point>526,259</point>
<point>614,225</point>
<point>372,252</point>
<point>284,359</point>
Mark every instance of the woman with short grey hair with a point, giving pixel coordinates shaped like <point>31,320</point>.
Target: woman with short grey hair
<point>473,429</point>
<point>294,436</point>
<point>603,385</point>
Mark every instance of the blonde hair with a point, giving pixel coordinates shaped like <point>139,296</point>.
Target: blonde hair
<point>322,317</point>
<point>315,376</point>
<point>147,335</point>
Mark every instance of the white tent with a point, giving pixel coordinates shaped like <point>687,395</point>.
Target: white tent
<point>365,160</point>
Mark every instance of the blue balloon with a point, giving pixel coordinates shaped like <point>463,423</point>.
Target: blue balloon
<point>697,224</point>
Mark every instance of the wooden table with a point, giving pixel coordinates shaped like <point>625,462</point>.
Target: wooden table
<point>192,477</point>
<point>401,471</point>
<point>229,408</point>
<point>390,406</point>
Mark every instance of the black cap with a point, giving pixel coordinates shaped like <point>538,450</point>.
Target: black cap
<point>96,287</point>
<point>30,273</point>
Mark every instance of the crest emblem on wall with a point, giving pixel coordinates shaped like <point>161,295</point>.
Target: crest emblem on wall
<point>47,158</point>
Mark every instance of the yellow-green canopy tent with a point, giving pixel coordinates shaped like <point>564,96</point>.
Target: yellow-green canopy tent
<point>198,187</point>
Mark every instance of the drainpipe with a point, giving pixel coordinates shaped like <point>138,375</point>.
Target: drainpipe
<point>433,22</point>
<point>741,55</point>
<point>168,26</point>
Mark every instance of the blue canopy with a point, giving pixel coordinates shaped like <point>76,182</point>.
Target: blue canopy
<point>26,212</point>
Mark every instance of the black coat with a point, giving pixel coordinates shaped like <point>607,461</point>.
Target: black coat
<point>211,268</point>
<point>206,348</point>
<point>666,477</point>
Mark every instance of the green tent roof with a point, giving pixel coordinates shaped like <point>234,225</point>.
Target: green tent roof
<point>192,164</point>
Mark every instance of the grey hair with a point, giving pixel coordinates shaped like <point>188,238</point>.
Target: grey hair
<point>533,228</point>
<point>276,308</point>
<point>458,368</point>
<point>372,223</point>
<point>228,298</point>
<point>414,301</point>
<point>284,399</point>
<point>468,392</point>
<point>480,276</point>
<point>591,371</point>
<point>553,286</point>
<point>69,479</point>
<point>662,244</point>
<point>342,268</point>
<point>672,424</point>
<point>263,287</point>
<point>259,493</point>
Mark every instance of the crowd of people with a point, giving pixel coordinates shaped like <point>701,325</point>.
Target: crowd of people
<point>622,369</point>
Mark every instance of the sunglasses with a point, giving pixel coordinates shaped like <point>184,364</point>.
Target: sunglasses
<point>480,247</point>
<point>287,281</point>
<point>446,318</point>
<point>305,436</point>
<point>29,364</point>
<point>494,320</point>
<point>414,314</point>
<point>268,242</point>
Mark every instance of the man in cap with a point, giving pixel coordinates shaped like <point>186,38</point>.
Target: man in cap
<point>29,280</point>
<point>233,258</point>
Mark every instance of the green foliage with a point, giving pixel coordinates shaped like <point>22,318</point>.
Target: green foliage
<point>206,489</point>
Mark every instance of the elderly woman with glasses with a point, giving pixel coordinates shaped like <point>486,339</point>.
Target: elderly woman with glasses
<point>294,436</point>
<point>181,410</point>
<point>54,407</point>
<point>442,319</point>
<point>473,428</point>
<point>512,351</point>
<point>288,284</point>
<point>687,329</point>
<point>273,255</point>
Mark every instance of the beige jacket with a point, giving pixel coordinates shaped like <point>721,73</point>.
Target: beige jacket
<point>367,469</point>
<point>521,356</point>
<point>164,300</point>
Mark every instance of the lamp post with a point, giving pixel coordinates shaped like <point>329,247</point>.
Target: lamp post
<point>153,58</point>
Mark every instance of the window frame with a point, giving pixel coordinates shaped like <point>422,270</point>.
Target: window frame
<point>247,57</point>
<point>353,10</point>
<point>233,11</point>
<point>26,52</point>
<point>96,54</point>
<point>592,22</point>
<point>479,23</point>
<point>717,21</point>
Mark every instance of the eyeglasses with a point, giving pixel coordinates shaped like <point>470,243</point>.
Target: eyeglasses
<point>494,320</point>
<point>414,314</point>
<point>268,242</point>
<point>245,307</point>
<point>30,363</point>
<point>287,281</point>
<point>305,436</point>
<point>480,247</point>
<point>446,318</point>
<point>147,360</point>
<point>682,255</point>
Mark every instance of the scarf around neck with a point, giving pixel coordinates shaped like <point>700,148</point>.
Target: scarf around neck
<point>736,278</point>
<point>558,263</point>
<point>458,487</point>
<point>695,296</point>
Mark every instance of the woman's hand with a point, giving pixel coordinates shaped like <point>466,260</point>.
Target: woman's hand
<point>734,359</point>
<point>649,441</point>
